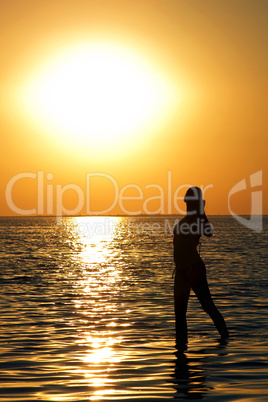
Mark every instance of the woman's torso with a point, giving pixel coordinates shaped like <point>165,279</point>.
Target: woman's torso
<point>186,240</point>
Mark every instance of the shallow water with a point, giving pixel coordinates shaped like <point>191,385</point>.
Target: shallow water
<point>87,312</point>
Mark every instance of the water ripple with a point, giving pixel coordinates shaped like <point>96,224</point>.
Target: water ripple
<point>89,315</point>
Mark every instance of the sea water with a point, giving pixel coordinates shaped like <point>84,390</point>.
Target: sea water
<point>87,312</point>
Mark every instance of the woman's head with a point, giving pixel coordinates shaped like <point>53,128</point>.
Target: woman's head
<point>194,201</point>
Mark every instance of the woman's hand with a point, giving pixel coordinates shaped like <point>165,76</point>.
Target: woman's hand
<point>202,206</point>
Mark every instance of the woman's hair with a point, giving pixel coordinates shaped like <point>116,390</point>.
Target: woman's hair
<point>193,194</point>
<point>194,201</point>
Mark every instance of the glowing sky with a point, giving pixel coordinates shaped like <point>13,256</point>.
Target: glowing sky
<point>151,95</point>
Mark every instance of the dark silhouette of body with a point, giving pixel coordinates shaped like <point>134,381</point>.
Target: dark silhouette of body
<point>190,271</point>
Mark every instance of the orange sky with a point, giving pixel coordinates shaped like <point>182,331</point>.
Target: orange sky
<point>213,56</point>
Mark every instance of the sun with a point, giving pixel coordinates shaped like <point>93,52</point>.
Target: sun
<point>97,94</point>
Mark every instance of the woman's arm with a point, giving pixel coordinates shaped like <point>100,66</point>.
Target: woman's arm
<point>207,229</point>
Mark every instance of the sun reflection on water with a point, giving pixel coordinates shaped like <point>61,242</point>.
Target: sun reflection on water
<point>94,239</point>
<point>93,235</point>
<point>99,361</point>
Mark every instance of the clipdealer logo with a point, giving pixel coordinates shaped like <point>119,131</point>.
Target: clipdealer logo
<point>255,221</point>
<point>50,196</point>
<point>168,198</point>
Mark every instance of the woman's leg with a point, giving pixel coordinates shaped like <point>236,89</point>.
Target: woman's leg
<point>181,296</point>
<point>201,290</point>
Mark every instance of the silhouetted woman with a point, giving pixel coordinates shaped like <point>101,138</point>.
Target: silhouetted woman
<point>190,271</point>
